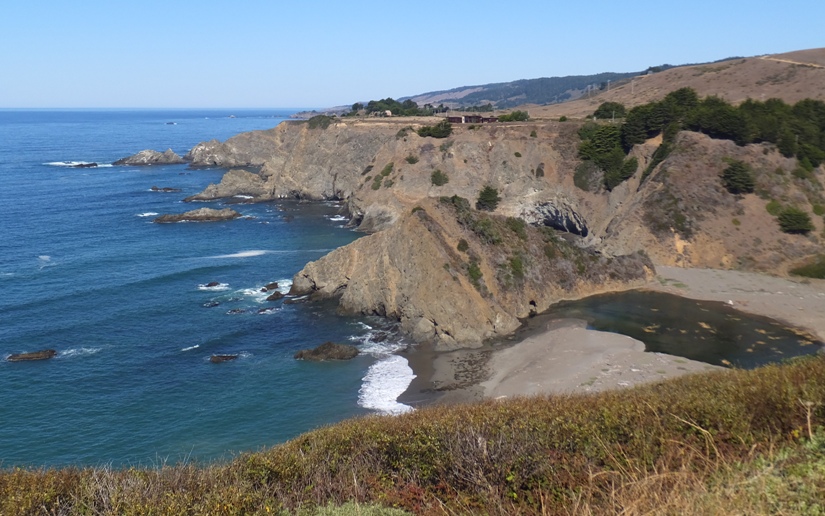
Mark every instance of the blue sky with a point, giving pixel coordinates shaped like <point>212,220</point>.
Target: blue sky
<point>313,53</point>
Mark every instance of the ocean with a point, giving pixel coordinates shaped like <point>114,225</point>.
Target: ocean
<point>128,307</point>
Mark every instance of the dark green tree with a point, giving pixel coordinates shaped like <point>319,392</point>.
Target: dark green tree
<point>793,220</point>
<point>488,199</point>
<point>442,129</point>
<point>610,110</point>
<point>737,178</point>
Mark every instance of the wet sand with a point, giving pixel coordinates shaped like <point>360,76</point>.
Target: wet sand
<point>561,356</point>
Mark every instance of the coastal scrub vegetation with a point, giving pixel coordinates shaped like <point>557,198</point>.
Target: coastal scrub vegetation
<point>737,178</point>
<point>319,122</point>
<point>488,199</point>
<point>515,116</point>
<point>396,108</point>
<point>816,269</point>
<point>439,178</point>
<point>796,130</point>
<point>442,129</point>
<point>794,220</point>
<point>744,442</point>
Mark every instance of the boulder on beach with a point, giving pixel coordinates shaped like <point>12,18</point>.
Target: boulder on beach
<point>199,215</point>
<point>34,355</point>
<point>151,157</point>
<point>328,351</point>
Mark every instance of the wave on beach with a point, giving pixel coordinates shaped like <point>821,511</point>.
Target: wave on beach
<point>387,378</point>
<point>384,382</point>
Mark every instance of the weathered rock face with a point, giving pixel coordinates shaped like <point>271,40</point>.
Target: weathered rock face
<point>557,215</point>
<point>235,182</point>
<point>199,215</point>
<point>328,351</point>
<point>414,272</point>
<point>151,157</point>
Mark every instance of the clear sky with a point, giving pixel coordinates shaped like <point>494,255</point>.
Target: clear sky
<point>319,53</point>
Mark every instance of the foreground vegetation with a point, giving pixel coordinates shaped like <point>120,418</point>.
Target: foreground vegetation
<point>748,442</point>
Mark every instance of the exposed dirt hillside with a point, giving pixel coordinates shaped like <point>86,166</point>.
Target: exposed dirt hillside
<point>791,77</point>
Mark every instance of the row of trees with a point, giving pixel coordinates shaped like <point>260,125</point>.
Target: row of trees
<point>406,108</point>
<point>797,130</point>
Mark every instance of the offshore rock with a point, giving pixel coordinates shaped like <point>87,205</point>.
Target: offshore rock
<point>199,215</point>
<point>34,355</point>
<point>218,359</point>
<point>151,157</point>
<point>328,351</point>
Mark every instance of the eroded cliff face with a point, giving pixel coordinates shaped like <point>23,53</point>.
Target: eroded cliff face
<point>455,277</point>
<point>411,269</point>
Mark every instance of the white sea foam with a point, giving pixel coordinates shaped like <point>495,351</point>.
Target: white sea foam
<point>45,261</point>
<point>79,352</point>
<point>218,287</point>
<point>241,196</point>
<point>338,218</point>
<point>190,348</point>
<point>73,164</point>
<point>147,214</point>
<point>384,382</point>
<point>242,254</point>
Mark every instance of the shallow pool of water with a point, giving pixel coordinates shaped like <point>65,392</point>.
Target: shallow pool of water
<point>708,331</point>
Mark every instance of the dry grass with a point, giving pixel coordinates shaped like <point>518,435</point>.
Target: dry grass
<point>732,442</point>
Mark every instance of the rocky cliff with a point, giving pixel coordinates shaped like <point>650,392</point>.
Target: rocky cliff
<point>411,269</point>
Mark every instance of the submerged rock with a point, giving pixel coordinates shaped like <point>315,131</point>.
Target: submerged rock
<point>217,359</point>
<point>328,351</point>
<point>199,215</point>
<point>34,355</point>
<point>151,157</point>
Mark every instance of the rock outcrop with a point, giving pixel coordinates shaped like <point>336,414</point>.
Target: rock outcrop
<point>458,295</point>
<point>151,157</point>
<point>199,215</point>
<point>328,351</point>
<point>235,182</point>
<point>33,355</point>
<point>219,359</point>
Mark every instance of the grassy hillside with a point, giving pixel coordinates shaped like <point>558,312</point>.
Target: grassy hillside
<point>748,442</point>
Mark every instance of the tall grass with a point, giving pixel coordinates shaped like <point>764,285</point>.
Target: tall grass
<point>677,446</point>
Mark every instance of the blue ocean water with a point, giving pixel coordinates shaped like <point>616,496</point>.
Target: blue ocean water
<point>125,302</point>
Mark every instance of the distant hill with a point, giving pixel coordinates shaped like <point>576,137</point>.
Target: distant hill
<point>503,95</point>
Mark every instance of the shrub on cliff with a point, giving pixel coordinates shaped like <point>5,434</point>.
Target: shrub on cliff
<point>795,221</point>
<point>737,178</point>
<point>442,129</point>
<point>439,178</point>
<point>319,122</point>
<point>515,116</point>
<point>487,199</point>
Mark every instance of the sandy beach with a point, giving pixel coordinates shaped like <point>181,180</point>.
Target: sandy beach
<point>562,356</point>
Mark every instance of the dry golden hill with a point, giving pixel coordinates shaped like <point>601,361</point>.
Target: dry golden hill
<point>792,76</point>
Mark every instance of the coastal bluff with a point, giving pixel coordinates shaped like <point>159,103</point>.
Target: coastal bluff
<point>556,232</point>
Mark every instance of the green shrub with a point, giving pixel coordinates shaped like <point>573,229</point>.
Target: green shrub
<point>736,222</point>
<point>819,209</point>
<point>412,160</point>
<point>609,110</point>
<point>417,209</point>
<point>737,178</point>
<point>515,116</point>
<point>517,154</point>
<point>463,246</point>
<point>562,118</point>
<point>376,182</point>
<point>795,221</point>
<point>474,272</point>
<point>488,199</point>
<point>319,122</point>
<point>439,178</point>
<point>812,270</point>
<point>517,267</point>
<point>540,170</point>
<point>485,230</point>
<point>774,207</point>
<point>517,226</point>
<point>444,147</point>
<point>402,133</point>
<point>442,129</point>
<point>533,134</point>
<point>550,251</point>
<point>387,170</point>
